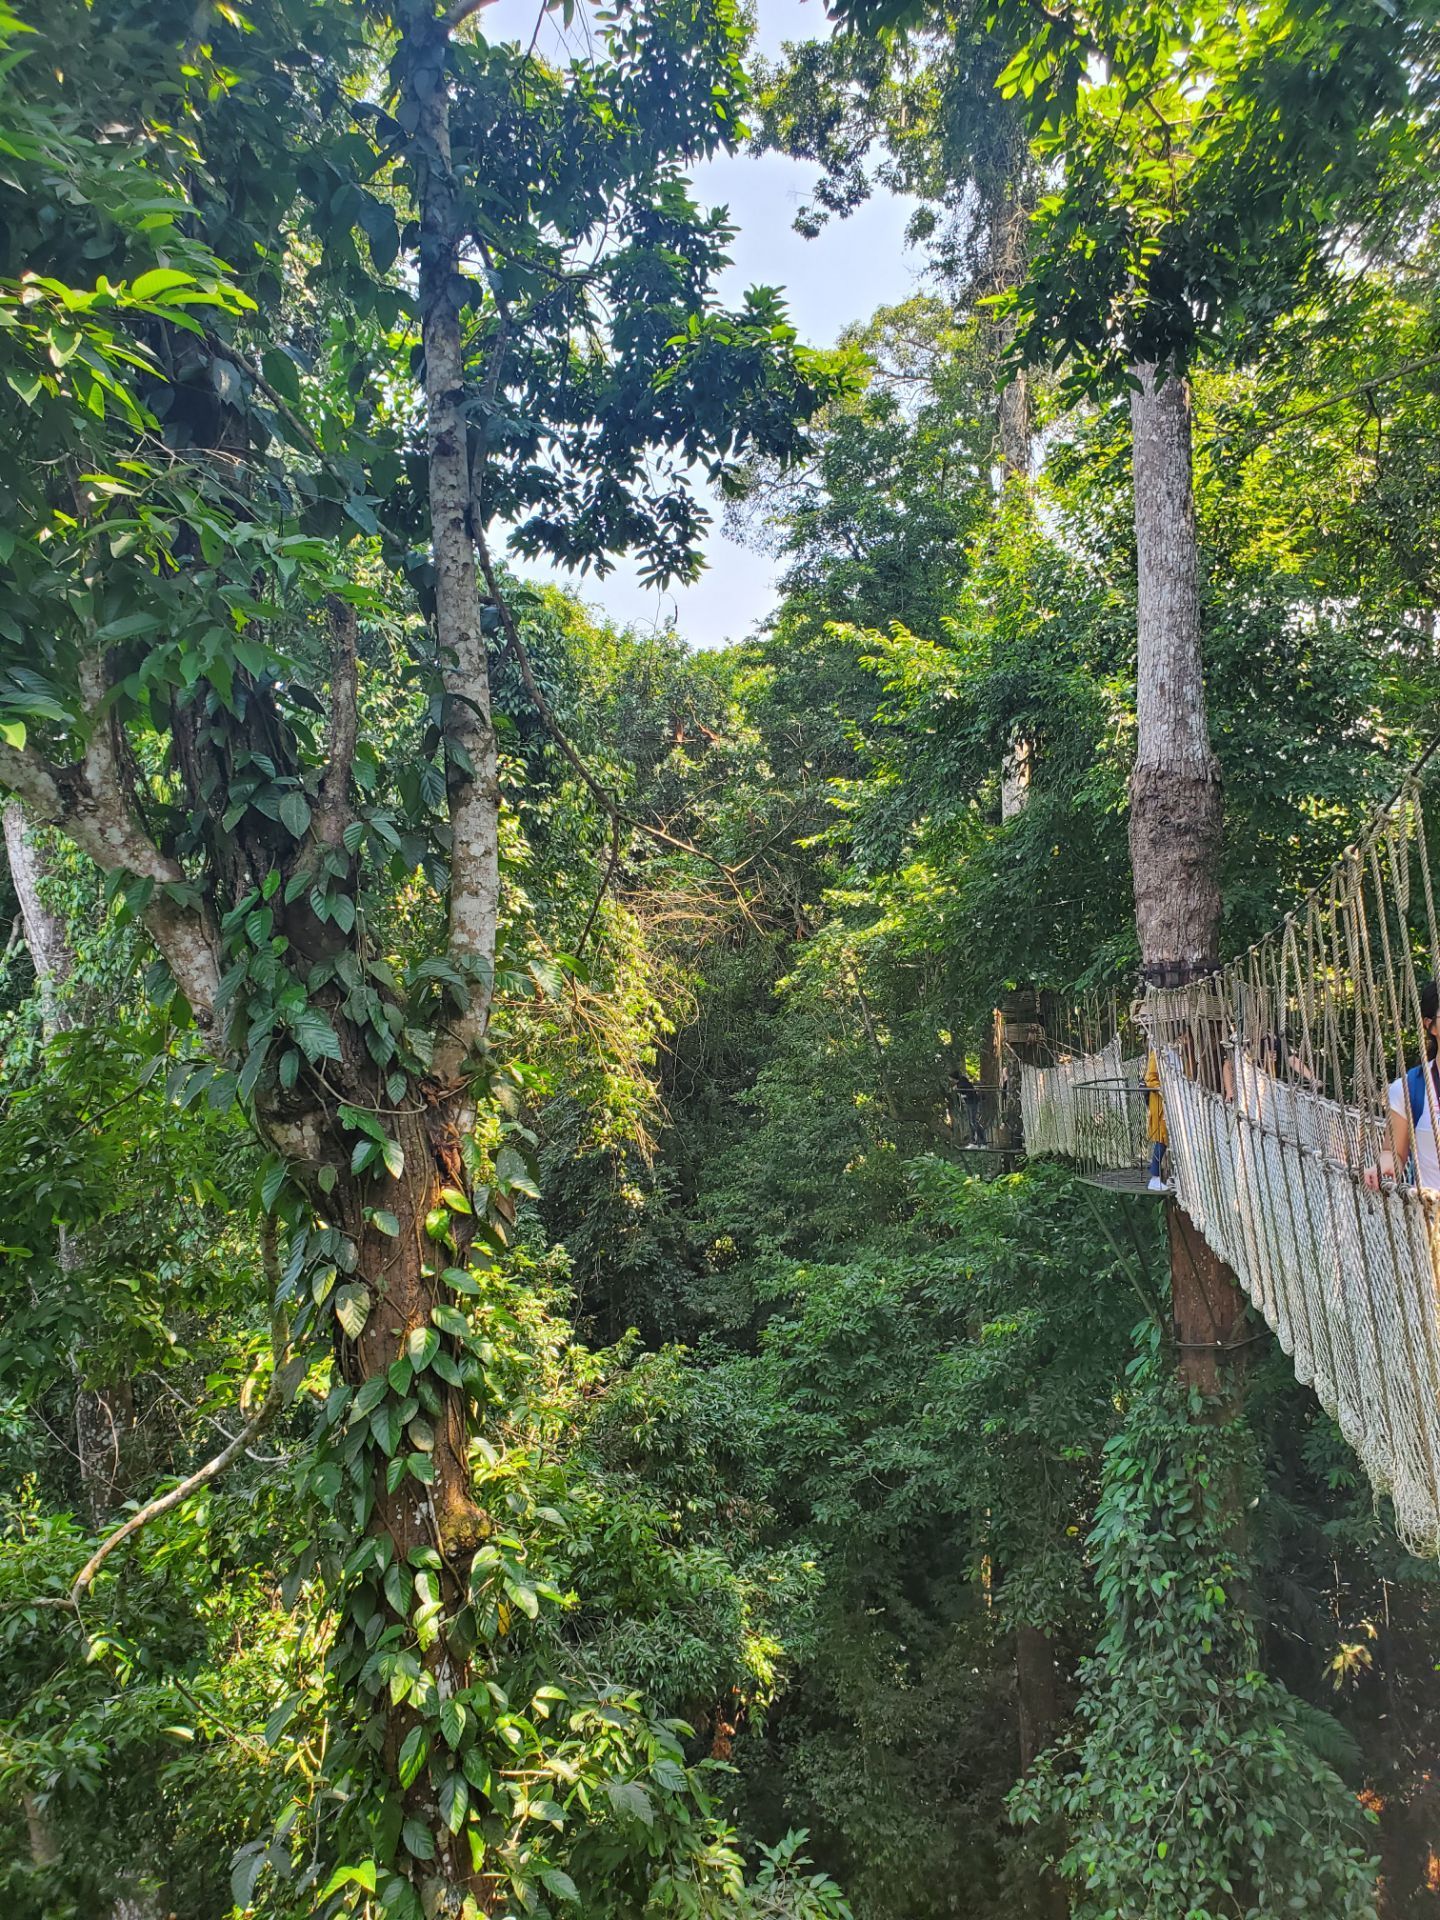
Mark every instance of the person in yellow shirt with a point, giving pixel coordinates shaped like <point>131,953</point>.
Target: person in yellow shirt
<point>1155,1122</point>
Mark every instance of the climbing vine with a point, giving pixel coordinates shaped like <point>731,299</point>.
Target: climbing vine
<point>1193,1786</point>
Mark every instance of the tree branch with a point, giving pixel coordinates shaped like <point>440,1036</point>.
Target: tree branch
<point>44,932</point>
<point>1424,364</point>
<point>275,1397</point>
<point>91,804</point>
<point>614,812</point>
<point>457,15</point>
<point>181,1491</point>
<point>611,864</point>
<point>225,351</point>
<point>34,781</point>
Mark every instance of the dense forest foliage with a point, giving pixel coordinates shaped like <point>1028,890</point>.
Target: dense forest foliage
<point>516,1395</point>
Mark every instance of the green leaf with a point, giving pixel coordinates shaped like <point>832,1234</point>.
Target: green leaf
<point>399,1587</point>
<point>361,1874</point>
<point>295,813</point>
<point>160,280</point>
<point>512,1171</point>
<point>559,1884</point>
<point>385,1222</point>
<point>525,1598</point>
<point>325,1482</point>
<point>629,1798</point>
<point>450,1320</point>
<point>369,1395</point>
<point>127,627</point>
<point>413,1750</point>
<point>400,1901</point>
<point>385,1425</point>
<point>284,376</point>
<point>444,1366</point>
<point>454,1800</point>
<point>249,1863</point>
<point>250,1072</point>
<point>421,1346</point>
<point>314,1034</point>
<point>352,1307</point>
<point>418,1840</point>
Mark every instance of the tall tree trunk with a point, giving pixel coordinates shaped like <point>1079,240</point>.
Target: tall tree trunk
<point>1015,444</point>
<point>104,1429</point>
<point>104,1415</point>
<point>50,952</point>
<point>1036,1683</point>
<point>1175,785</point>
<point>1037,1694</point>
<point>410,1332</point>
<point>1175,817</point>
<point>1015,779</point>
<point>1035,1680</point>
<point>44,1847</point>
<point>472,771</point>
<point>1014,430</point>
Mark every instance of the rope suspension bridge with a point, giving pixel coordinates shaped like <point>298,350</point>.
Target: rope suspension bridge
<point>1302,1107</point>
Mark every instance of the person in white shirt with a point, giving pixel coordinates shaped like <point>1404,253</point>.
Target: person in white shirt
<point>1413,1107</point>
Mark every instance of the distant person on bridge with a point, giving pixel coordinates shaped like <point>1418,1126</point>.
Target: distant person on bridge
<point>1155,1124</point>
<point>964,1091</point>
<point>1412,1110</point>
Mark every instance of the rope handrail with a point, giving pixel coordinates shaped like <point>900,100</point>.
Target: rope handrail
<point>1302,1125</point>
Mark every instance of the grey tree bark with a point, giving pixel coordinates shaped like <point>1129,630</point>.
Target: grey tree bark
<point>1015,444</point>
<point>44,931</point>
<point>1175,805</point>
<point>472,772</point>
<point>1175,784</point>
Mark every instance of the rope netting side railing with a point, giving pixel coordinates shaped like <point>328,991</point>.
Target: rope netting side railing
<point>1302,1106</point>
<point>1303,1109</point>
<point>1086,1104</point>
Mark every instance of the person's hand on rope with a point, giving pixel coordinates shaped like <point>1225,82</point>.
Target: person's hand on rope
<point>1376,1177</point>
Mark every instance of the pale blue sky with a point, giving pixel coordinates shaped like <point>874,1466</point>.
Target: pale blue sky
<point>853,267</point>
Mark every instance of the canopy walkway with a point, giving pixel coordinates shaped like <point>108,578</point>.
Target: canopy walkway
<point>1279,1076</point>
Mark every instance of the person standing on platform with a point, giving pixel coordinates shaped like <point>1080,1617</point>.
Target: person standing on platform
<point>1155,1121</point>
